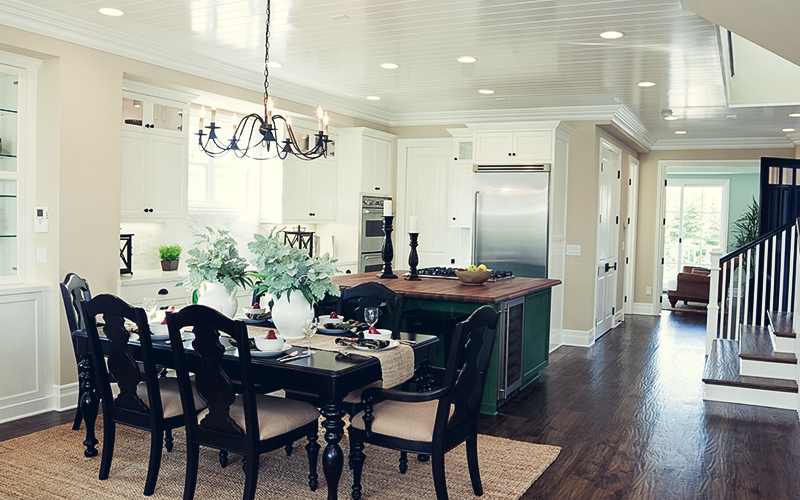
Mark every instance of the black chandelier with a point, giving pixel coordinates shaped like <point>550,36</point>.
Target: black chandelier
<point>254,131</point>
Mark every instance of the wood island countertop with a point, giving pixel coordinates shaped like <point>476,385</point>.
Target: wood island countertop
<point>453,290</point>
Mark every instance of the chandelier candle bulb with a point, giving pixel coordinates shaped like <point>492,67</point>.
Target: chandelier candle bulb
<point>387,208</point>
<point>320,116</point>
<point>325,121</point>
<point>202,114</point>
<point>270,105</point>
<point>234,119</point>
<point>214,111</point>
<point>413,224</point>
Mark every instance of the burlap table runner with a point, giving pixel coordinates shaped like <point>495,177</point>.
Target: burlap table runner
<point>397,365</point>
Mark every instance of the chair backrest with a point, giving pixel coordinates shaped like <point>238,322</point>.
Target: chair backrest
<point>212,381</point>
<point>372,294</point>
<point>73,290</point>
<point>466,368</point>
<point>121,365</point>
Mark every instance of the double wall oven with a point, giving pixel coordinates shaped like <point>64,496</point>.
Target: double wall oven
<point>371,234</point>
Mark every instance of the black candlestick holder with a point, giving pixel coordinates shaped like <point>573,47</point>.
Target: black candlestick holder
<point>413,258</point>
<point>387,251</point>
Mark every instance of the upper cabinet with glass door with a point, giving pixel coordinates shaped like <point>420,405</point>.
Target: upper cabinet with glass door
<point>154,114</point>
<point>9,182</point>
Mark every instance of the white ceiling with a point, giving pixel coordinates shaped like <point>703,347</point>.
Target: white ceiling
<point>533,53</point>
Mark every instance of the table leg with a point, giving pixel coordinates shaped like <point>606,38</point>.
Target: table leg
<point>332,457</point>
<point>89,402</point>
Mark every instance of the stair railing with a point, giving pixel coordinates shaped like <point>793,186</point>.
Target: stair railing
<point>750,281</point>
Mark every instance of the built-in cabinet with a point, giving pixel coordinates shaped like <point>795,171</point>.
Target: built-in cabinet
<point>368,154</point>
<point>500,148</point>
<point>155,144</point>
<point>9,173</point>
<point>461,195</point>
<point>299,191</point>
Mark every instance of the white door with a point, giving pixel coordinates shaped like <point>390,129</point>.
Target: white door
<point>426,196</point>
<point>607,239</point>
<point>630,233</point>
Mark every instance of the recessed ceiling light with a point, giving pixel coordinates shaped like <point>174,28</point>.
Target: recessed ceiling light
<point>670,118</point>
<point>646,84</point>
<point>390,66</point>
<point>107,11</point>
<point>274,65</point>
<point>373,98</point>
<point>787,130</point>
<point>486,91</point>
<point>466,59</point>
<point>612,35</point>
<point>794,115</point>
<point>680,132</point>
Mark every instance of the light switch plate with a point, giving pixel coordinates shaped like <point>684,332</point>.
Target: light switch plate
<point>574,250</point>
<point>41,255</point>
<point>41,220</point>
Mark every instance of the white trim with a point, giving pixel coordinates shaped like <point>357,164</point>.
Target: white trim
<point>629,285</point>
<point>748,396</point>
<point>723,143</point>
<point>643,309</point>
<point>769,369</point>
<point>794,137</point>
<point>555,339</point>
<point>578,338</point>
<point>619,317</point>
<point>65,397</point>
<point>158,92</point>
<point>26,409</point>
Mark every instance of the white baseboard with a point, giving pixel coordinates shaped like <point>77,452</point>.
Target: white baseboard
<point>754,368</point>
<point>578,338</point>
<point>643,308</point>
<point>65,397</point>
<point>619,317</point>
<point>555,339</point>
<point>748,396</point>
<point>26,409</point>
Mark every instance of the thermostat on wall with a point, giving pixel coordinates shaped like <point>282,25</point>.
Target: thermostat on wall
<point>41,222</point>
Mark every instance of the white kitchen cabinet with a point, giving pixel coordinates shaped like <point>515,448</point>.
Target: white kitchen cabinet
<point>307,195</point>
<point>461,195</point>
<point>154,176</point>
<point>155,110</point>
<point>500,148</point>
<point>367,156</point>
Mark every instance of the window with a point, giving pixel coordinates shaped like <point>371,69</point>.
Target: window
<point>225,183</point>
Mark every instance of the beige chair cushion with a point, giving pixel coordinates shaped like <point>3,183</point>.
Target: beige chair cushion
<point>170,396</point>
<point>276,416</point>
<point>412,421</point>
<point>355,396</point>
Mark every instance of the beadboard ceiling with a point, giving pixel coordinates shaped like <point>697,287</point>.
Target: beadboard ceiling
<point>534,54</point>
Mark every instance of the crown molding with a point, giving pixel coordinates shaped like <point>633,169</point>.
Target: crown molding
<point>794,137</point>
<point>26,17</point>
<point>630,125</point>
<point>724,143</point>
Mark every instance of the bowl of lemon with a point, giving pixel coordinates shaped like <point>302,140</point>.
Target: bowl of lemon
<point>474,275</point>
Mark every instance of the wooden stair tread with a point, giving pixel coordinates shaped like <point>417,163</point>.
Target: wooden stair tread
<point>722,368</point>
<point>756,345</point>
<point>782,324</point>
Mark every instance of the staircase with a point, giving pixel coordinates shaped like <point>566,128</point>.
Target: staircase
<point>751,327</point>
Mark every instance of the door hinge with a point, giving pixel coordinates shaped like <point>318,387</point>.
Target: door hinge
<point>619,174</point>
<point>629,220</point>
<point>630,182</point>
<point>662,261</point>
<point>615,266</point>
<point>664,221</point>
<point>661,299</point>
<point>665,182</point>
<point>601,218</point>
<point>625,299</point>
<point>626,260</point>
<point>613,310</point>
<point>617,219</point>
<point>680,240</point>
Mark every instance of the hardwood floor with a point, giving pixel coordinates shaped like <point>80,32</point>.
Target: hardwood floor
<point>629,416</point>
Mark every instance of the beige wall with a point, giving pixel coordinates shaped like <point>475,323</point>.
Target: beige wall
<point>79,159</point>
<point>648,209</point>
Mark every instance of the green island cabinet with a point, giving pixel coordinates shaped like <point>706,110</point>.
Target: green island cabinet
<point>434,306</point>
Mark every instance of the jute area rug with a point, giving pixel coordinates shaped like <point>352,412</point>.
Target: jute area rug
<point>50,465</point>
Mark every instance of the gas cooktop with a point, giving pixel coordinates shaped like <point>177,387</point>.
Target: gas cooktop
<point>450,273</point>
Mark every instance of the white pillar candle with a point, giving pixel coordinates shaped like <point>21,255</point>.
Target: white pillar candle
<point>413,224</point>
<point>387,208</point>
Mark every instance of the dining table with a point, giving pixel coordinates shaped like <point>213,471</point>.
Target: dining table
<point>327,376</point>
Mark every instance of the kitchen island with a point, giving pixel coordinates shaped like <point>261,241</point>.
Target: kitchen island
<point>433,306</point>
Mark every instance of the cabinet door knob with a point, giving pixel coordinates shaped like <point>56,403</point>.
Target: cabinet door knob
<point>454,218</point>
<point>456,159</point>
<point>509,154</point>
<point>377,188</point>
<point>513,154</point>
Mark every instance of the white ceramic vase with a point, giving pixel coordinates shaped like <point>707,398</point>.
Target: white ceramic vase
<point>216,296</point>
<point>289,315</point>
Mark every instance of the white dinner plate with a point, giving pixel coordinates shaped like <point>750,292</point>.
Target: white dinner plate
<point>392,345</point>
<point>270,354</point>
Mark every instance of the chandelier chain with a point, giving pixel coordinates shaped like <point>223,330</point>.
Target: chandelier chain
<point>266,62</point>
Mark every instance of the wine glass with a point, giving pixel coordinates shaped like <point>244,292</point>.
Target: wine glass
<point>309,327</point>
<point>150,305</point>
<point>371,315</point>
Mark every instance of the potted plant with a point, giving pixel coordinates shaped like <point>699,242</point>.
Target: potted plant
<point>170,257</point>
<point>215,270</point>
<point>283,270</point>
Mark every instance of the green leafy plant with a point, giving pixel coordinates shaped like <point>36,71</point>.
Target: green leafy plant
<point>169,252</point>
<point>283,268</point>
<point>215,259</point>
<point>745,228</point>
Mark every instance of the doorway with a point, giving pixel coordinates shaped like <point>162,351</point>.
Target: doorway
<point>607,238</point>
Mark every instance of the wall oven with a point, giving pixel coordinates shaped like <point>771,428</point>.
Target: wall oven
<point>371,233</point>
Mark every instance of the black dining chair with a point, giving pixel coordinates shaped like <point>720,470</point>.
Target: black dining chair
<point>247,423</point>
<point>73,290</point>
<point>437,421</point>
<point>353,300</point>
<point>153,405</point>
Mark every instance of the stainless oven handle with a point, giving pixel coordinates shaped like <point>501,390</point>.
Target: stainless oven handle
<point>371,257</point>
<point>372,210</point>
<point>475,229</point>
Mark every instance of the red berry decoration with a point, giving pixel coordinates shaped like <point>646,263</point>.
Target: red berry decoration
<point>271,335</point>
<point>172,309</point>
<point>165,321</point>
<point>374,331</point>
<point>256,305</point>
<point>334,315</point>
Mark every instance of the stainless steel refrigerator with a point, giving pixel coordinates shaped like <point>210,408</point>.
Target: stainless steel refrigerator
<point>511,219</point>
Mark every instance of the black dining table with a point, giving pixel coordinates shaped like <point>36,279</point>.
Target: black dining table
<point>325,376</point>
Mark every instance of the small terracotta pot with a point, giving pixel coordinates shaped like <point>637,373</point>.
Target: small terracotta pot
<point>169,265</point>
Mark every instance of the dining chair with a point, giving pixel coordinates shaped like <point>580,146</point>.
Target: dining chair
<point>153,404</point>
<point>437,421</point>
<point>353,300</point>
<point>247,423</point>
<point>73,290</point>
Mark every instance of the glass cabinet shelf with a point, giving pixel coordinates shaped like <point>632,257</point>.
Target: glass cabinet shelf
<point>7,112</point>
<point>7,156</point>
<point>8,196</point>
<point>8,235</point>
